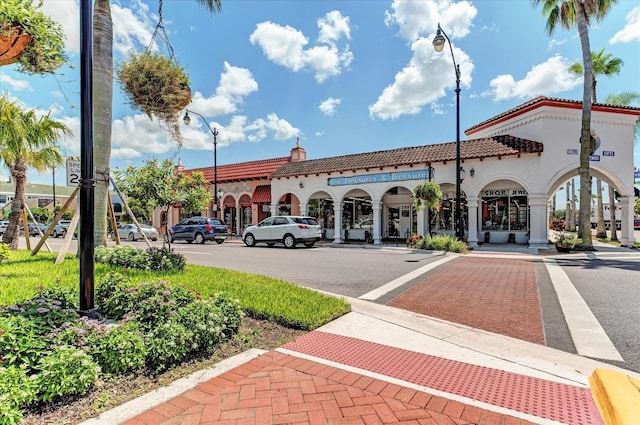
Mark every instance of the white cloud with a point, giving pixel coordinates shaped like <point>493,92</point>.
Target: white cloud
<point>424,80</point>
<point>421,18</point>
<point>15,84</point>
<point>65,12</point>
<point>631,30</point>
<point>547,78</point>
<point>328,107</point>
<point>134,136</point>
<point>286,46</point>
<point>133,27</point>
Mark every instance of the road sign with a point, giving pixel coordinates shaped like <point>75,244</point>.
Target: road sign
<point>73,172</point>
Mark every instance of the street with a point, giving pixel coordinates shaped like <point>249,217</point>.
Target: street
<point>607,281</point>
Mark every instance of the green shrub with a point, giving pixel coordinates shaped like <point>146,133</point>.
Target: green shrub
<point>66,370</point>
<point>16,390</point>
<point>113,294</point>
<point>206,320</point>
<point>79,333</point>
<point>231,312</point>
<point>119,350</point>
<point>46,314</point>
<point>161,259</point>
<point>155,303</point>
<point>168,344</point>
<point>5,253</point>
<point>125,256</point>
<point>66,296</point>
<point>21,343</point>
<point>442,243</point>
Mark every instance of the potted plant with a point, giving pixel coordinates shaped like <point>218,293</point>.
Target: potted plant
<point>427,195</point>
<point>157,85</point>
<point>564,242</point>
<point>30,38</point>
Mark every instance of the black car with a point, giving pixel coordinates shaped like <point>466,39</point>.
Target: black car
<point>199,229</point>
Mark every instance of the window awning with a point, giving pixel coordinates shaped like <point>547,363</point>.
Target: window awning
<point>262,195</point>
<point>245,201</point>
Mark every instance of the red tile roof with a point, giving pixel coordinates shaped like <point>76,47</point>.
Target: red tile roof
<point>550,101</point>
<point>243,171</point>
<point>496,146</point>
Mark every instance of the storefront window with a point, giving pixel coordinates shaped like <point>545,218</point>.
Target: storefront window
<point>505,209</point>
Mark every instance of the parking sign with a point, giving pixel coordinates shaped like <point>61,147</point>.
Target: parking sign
<point>73,172</point>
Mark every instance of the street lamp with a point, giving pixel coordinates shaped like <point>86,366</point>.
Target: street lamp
<point>438,45</point>
<point>187,121</point>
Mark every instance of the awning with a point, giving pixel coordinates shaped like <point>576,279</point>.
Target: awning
<point>245,201</point>
<point>229,202</point>
<point>262,195</point>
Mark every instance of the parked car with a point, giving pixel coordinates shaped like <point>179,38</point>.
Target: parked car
<point>636,223</point>
<point>59,230</point>
<point>32,229</point>
<point>199,229</point>
<point>130,232</point>
<point>3,226</point>
<point>286,229</point>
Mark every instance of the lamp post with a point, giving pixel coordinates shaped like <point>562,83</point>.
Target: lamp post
<point>438,45</point>
<point>187,121</point>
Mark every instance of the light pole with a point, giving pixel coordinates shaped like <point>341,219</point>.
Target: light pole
<point>438,45</point>
<point>187,121</point>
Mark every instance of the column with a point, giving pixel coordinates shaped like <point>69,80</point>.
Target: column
<point>377,222</point>
<point>627,237</point>
<point>274,208</point>
<point>337,213</point>
<point>472,216</point>
<point>303,209</point>
<point>538,226</point>
<point>422,221</point>
<point>238,216</point>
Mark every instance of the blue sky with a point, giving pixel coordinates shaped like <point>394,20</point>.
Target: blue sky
<point>343,76</point>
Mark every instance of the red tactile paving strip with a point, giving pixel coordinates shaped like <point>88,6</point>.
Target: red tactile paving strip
<point>538,397</point>
<point>277,388</point>
<point>484,293</point>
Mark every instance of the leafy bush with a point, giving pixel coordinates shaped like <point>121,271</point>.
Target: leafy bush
<point>442,243</point>
<point>16,390</point>
<point>66,296</point>
<point>231,312</point>
<point>113,294</point>
<point>161,259</point>
<point>80,333</point>
<point>125,256</point>
<point>46,314</point>
<point>206,320</point>
<point>21,343</point>
<point>168,344</point>
<point>119,350</point>
<point>155,303</point>
<point>66,370</point>
<point>5,253</point>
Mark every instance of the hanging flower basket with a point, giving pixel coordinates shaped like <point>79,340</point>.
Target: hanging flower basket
<point>427,195</point>
<point>30,38</point>
<point>156,85</point>
<point>12,44</point>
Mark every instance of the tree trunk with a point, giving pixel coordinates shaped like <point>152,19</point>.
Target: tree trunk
<point>585,135</point>
<point>102,113</point>
<point>12,234</point>
<point>612,213</point>
<point>601,231</point>
<point>572,220</point>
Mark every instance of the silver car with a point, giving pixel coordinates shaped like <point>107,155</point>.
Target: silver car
<point>286,229</point>
<point>3,226</point>
<point>130,232</point>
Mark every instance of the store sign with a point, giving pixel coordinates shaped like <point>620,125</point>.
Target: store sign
<point>378,178</point>
<point>504,192</point>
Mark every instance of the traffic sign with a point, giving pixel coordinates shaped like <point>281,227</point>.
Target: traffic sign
<point>73,172</point>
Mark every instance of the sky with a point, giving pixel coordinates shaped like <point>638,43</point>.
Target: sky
<point>343,76</point>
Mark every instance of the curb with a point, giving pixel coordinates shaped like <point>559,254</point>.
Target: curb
<point>617,396</point>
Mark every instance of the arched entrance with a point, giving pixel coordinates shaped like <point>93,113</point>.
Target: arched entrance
<point>505,215</point>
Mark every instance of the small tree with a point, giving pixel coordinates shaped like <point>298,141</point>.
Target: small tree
<point>427,195</point>
<point>159,186</point>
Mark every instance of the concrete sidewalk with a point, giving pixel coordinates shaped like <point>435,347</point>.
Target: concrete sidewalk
<point>380,364</point>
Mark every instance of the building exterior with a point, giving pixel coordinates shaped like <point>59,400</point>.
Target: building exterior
<point>513,164</point>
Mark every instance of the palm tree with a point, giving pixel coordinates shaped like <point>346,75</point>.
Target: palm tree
<point>603,64</point>
<point>571,13</point>
<point>624,98</point>
<point>26,141</point>
<point>102,98</point>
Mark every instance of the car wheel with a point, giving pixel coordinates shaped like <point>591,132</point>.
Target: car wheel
<point>131,237</point>
<point>309,244</point>
<point>219,241</point>
<point>54,234</point>
<point>289,241</point>
<point>199,238</point>
<point>271,244</point>
<point>249,240</point>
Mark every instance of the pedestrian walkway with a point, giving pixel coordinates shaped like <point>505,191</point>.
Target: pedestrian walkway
<point>381,365</point>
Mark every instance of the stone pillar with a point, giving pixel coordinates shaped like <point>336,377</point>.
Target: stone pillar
<point>472,215</point>
<point>337,228</point>
<point>377,222</point>
<point>538,225</point>
<point>627,237</point>
<point>303,209</point>
<point>274,208</point>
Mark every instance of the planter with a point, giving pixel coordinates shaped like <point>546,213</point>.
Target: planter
<point>12,45</point>
<point>563,248</point>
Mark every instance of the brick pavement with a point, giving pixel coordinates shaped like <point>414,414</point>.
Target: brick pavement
<point>485,293</point>
<point>277,388</point>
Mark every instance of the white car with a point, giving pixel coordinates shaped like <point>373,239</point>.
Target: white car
<point>130,232</point>
<point>286,229</point>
